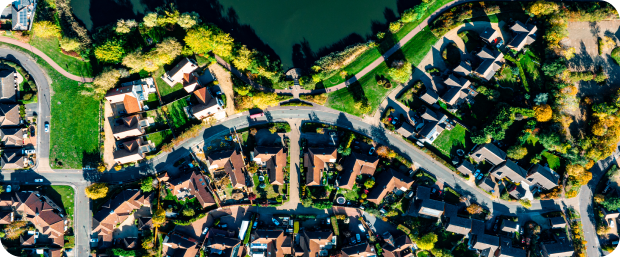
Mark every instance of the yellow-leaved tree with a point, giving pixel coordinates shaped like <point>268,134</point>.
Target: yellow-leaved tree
<point>541,8</point>
<point>45,29</point>
<point>96,191</point>
<point>244,58</point>
<point>543,112</point>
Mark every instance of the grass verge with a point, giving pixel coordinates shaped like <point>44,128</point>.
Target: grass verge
<point>51,48</point>
<point>365,88</point>
<point>450,140</point>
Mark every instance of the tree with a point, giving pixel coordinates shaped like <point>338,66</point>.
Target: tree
<point>383,151</point>
<point>251,197</point>
<point>204,39</point>
<point>541,98</point>
<point>150,20</point>
<point>15,229</point>
<point>148,242</point>
<point>441,252</point>
<point>125,26</point>
<point>575,170</point>
<point>159,217</point>
<point>188,20</point>
<point>599,198</point>
<point>111,51</point>
<point>106,80</point>
<point>369,183</point>
<point>273,130</point>
<point>525,203</point>
<point>400,71</point>
<point>395,26</point>
<point>558,66</point>
<point>96,191</point>
<point>517,152</point>
<point>70,44</point>
<point>244,58</point>
<point>188,212</point>
<point>611,203</point>
<point>147,184</point>
<point>427,242</point>
<point>45,29</point>
<point>541,8</point>
<point>363,107</point>
<point>474,209</point>
<point>168,50</point>
<point>543,112</point>
<point>135,61</point>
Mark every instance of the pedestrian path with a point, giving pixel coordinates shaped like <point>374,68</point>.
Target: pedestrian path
<point>46,58</point>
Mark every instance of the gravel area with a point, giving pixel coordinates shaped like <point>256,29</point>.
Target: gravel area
<point>226,85</point>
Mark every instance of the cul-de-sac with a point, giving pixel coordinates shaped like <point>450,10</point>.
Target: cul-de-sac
<point>350,128</point>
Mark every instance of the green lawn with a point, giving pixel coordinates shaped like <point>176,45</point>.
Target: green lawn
<point>351,195</point>
<point>74,132</point>
<point>365,88</point>
<point>160,138</point>
<point>552,160</point>
<point>353,68</point>
<point>51,48</point>
<point>269,192</point>
<point>177,114</point>
<point>168,94</point>
<point>451,140</point>
<point>63,196</point>
<point>436,4</point>
<point>416,49</point>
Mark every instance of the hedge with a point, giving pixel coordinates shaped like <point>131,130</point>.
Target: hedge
<point>403,229</point>
<point>335,225</point>
<point>121,252</point>
<point>188,222</point>
<point>296,227</point>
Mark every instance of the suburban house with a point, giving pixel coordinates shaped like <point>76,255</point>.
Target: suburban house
<point>389,181</point>
<point>486,244</point>
<point>506,249</point>
<point>316,243</point>
<point>557,222</point>
<point>190,81</point>
<point>509,226</point>
<point>175,244</point>
<point>9,115</point>
<point>517,192</point>
<point>316,161</point>
<point>430,124</point>
<point>491,61</point>
<point>466,167</point>
<point>609,216</point>
<point>230,162</point>
<point>130,96</point>
<point>131,150</point>
<point>190,185</point>
<point>207,105</point>
<point>274,243</point>
<point>463,70</point>
<point>488,152</point>
<point>524,34</point>
<point>224,246</point>
<point>558,249</point>
<point>354,165</point>
<point>22,14</point>
<point>274,160</point>
<point>177,73</point>
<point>454,223</point>
<point>401,247</point>
<point>489,35</point>
<point>423,205</point>
<point>9,83</point>
<point>487,184</point>
<point>543,177</point>
<point>510,170</point>
<point>13,159</point>
<point>12,137</point>
<point>458,91</point>
<point>129,126</point>
<point>358,250</point>
<point>405,130</point>
<point>39,211</point>
<point>116,211</point>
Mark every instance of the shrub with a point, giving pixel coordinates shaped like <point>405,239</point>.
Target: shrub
<point>404,229</point>
<point>605,43</point>
<point>45,29</point>
<point>337,60</point>
<point>474,209</point>
<point>335,225</point>
<point>525,203</point>
<point>296,227</point>
<point>615,54</point>
<point>96,191</point>
<point>111,51</point>
<point>395,26</point>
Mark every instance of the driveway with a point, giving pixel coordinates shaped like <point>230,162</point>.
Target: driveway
<point>226,85</point>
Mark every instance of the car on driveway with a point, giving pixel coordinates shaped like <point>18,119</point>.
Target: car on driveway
<point>372,150</point>
<point>361,228</point>
<point>38,180</point>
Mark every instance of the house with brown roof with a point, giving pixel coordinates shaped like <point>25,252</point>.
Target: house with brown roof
<point>316,243</point>
<point>359,250</point>
<point>42,215</point>
<point>131,150</point>
<point>192,184</point>
<point>176,245</point>
<point>354,165</point>
<point>543,177</point>
<point>389,181</point>
<point>207,105</point>
<point>12,137</point>
<point>190,81</point>
<point>488,152</point>
<point>274,243</point>
<point>223,246</point>
<point>177,73</point>
<point>6,217</point>
<point>316,162</point>
<point>13,159</point>
<point>401,247</point>
<point>9,115</point>
<point>126,99</point>
<point>274,160</point>
<point>524,34</point>
<point>232,163</point>
<point>129,126</point>
<point>116,211</point>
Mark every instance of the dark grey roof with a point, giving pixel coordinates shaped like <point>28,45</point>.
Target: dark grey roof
<point>509,226</point>
<point>485,241</point>
<point>487,54</point>
<point>557,249</point>
<point>466,167</point>
<point>519,27</point>
<point>507,250</point>
<point>489,152</point>
<point>518,192</point>
<point>431,122</point>
<point>557,222</point>
<point>432,207</point>
<point>487,184</point>
<point>477,227</point>
<point>510,170</point>
<point>450,210</point>
<point>423,193</point>
<point>459,225</point>
<point>7,78</point>
<point>429,96</point>
<point>542,176</point>
<point>406,130</point>
<point>525,34</point>
<point>488,34</point>
<point>464,69</point>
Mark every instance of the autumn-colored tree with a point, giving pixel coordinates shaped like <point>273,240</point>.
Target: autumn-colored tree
<point>125,26</point>
<point>188,20</point>
<point>15,229</point>
<point>204,39</point>
<point>541,8</point>
<point>148,242</point>
<point>383,151</point>
<point>166,51</point>
<point>244,58</point>
<point>599,198</point>
<point>70,44</point>
<point>96,191</point>
<point>45,29</point>
<point>427,242</point>
<point>159,217</point>
<point>106,80</point>
<point>543,112</point>
<point>111,51</point>
<point>575,170</point>
<point>150,20</point>
<point>599,128</point>
<point>517,152</point>
<point>474,209</point>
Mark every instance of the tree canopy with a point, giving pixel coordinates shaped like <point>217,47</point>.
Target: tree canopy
<point>427,242</point>
<point>204,39</point>
<point>96,191</point>
<point>111,51</point>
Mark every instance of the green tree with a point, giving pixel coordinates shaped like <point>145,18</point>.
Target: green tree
<point>541,8</point>
<point>517,152</point>
<point>400,71</point>
<point>427,242</point>
<point>244,58</point>
<point>369,183</point>
<point>441,252</point>
<point>525,203</point>
<point>106,80</point>
<point>611,203</point>
<point>96,191</point>
<point>159,217</point>
<point>188,20</point>
<point>111,51</point>
<point>70,44</point>
<point>188,212</point>
<point>204,39</point>
<point>147,184</point>
<point>552,69</point>
<point>148,242</point>
<point>125,26</point>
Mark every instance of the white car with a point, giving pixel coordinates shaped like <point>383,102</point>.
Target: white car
<point>329,221</point>
<point>361,228</point>
<point>38,180</point>
<point>94,240</point>
<point>275,221</point>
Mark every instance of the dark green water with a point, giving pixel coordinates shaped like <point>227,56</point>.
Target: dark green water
<point>295,31</point>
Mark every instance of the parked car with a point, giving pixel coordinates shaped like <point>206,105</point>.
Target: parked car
<point>275,221</point>
<point>361,228</point>
<point>257,115</point>
<point>353,240</point>
<point>372,151</point>
<point>8,188</point>
<point>479,177</point>
<point>357,236</point>
<point>255,224</point>
<point>38,180</point>
<point>47,127</point>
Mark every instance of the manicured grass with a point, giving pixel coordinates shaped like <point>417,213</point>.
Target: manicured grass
<point>168,94</point>
<point>353,68</point>
<point>457,138</point>
<point>269,192</point>
<point>351,195</point>
<point>51,48</point>
<point>177,114</point>
<point>412,25</point>
<point>159,138</point>
<point>365,88</point>
<point>63,196</point>
<point>74,126</point>
<point>416,49</point>
<point>552,160</point>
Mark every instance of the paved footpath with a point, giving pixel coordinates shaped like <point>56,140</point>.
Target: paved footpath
<point>45,57</point>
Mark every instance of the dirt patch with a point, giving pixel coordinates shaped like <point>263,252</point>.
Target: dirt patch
<point>108,144</point>
<point>226,85</point>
